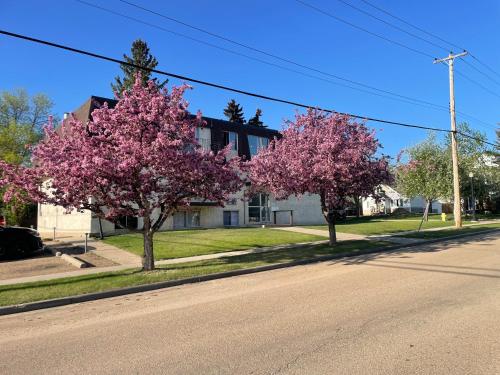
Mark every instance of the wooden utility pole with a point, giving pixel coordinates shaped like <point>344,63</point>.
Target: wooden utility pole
<point>454,153</point>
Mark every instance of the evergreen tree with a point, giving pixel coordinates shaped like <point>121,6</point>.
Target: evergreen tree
<point>255,120</point>
<point>234,112</point>
<point>142,57</point>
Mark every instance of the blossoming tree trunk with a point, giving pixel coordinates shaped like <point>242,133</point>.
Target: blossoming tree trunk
<point>330,219</point>
<point>329,215</point>
<point>148,261</point>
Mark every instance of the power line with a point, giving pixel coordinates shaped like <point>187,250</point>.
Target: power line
<point>402,98</point>
<point>485,125</point>
<point>480,71</point>
<point>477,83</point>
<point>392,25</point>
<point>437,37</point>
<point>328,14</point>
<point>206,83</point>
<point>430,34</point>
<point>227,88</point>
<point>221,37</point>
<point>475,138</point>
<point>412,25</point>
<point>485,65</point>
<point>350,24</point>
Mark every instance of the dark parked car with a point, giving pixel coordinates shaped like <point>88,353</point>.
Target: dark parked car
<point>19,241</point>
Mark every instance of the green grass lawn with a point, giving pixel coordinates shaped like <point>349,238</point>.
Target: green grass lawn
<point>451,231</point>
<point>37,291</point>
<point>384,225</point>
<point>177,244</point>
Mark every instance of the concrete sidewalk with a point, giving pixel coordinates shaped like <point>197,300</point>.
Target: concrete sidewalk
<point>324,233</point>
<point>351,237</point>
<point>102,249</point>
<point>389,237</point>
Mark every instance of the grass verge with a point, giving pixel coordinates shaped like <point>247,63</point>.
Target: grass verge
<point>451,232</point>
<point>185,243</point>
<point>373,225</point>
<point>38,291</point>
<point>384,226</point>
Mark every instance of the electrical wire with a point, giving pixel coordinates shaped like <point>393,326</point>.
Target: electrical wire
<point>228,88</point>
<point>407,99</point>
<point>412,25</point>
<point>441,39</point>
<point>480,71</point>
<point>328,14</point>
<point>262,51</point>
<point>476,83</point>
<point>484,64</point>
<point>399,97</point>
<point>392,25</point>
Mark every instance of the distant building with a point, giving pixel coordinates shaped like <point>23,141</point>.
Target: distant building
<point>393,200</point>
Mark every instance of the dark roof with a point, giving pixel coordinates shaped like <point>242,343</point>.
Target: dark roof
<point>217,126</point>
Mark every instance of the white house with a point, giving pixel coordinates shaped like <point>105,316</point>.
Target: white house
<point>393,200</point>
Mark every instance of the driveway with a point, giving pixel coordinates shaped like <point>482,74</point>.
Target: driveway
<point>40,265</point>
<point>434,309</point>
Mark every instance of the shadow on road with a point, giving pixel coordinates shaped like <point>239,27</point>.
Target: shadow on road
<point>392,258</point>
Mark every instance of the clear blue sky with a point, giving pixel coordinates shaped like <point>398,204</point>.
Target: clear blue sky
<point>285,28</point>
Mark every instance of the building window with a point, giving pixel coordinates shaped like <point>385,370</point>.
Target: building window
<point>126,222</point>
<point>186,219</point>
<point>256,144</point>
<point>231,202</point>
<point>204,138</point>
<point>259,209</point>
<point>231,218</point>
<point>193,219</point>
<point>231,137</point>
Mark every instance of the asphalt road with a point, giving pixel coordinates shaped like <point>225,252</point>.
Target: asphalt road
<point>429,310</point>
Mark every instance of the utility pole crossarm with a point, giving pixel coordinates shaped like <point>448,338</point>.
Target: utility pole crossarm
<point>451,56</point>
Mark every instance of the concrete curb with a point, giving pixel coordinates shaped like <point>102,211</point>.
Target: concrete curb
<point>14,309</point>
<point>73,261</point>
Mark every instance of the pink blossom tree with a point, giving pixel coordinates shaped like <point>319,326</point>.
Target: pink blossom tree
<point>140,158</point>
<point>329,155</point>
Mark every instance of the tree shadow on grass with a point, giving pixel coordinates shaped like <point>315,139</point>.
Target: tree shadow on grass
<point>219,245</point>
<point>276,256</point>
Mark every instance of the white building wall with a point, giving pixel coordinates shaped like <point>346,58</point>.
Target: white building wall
<point>50,217</point>
<point>107,226</point>
<point>306,211</point>
<point>418,205</point>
